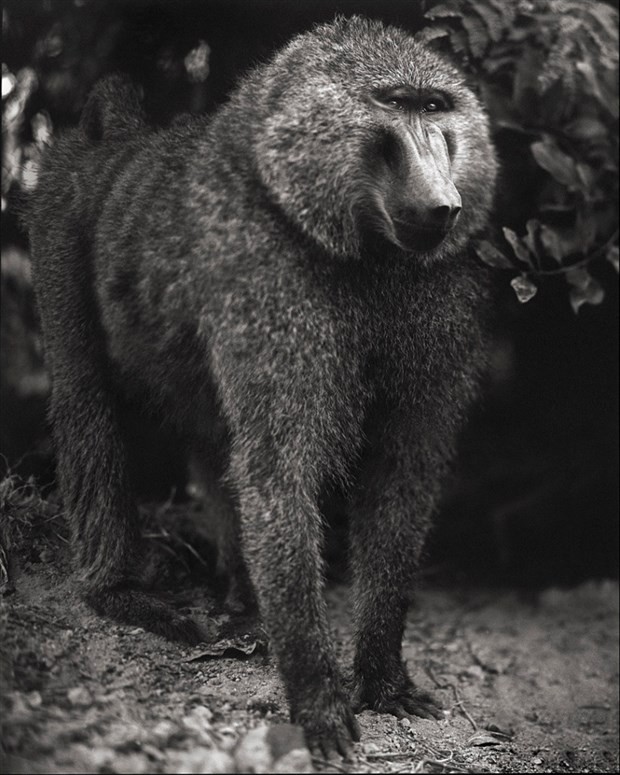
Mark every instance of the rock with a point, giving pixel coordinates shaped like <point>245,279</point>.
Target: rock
<point>279,748</point>
<point>201,760</point>
<point>227,738</point>
<point>198,722</point>
<point>79,696</point>
<point>163,731</point>
<point>124,735</point>
<point>34,699</point>
<point>135,763</point>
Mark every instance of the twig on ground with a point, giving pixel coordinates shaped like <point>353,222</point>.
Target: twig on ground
<point>458,702</point>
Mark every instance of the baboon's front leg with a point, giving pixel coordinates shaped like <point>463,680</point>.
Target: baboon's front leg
<point>282,536</point>
<point>389,523</point>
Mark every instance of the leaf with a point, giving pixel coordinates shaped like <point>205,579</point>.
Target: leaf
<point>531,238</point>
<point>507,11</point>
<point>604,89</point>
<point>586,227</point>
<point>443,10</point>
<point>520,251</point>
<point>585,289</point>
<point>528,67</point>
<point>591,294</point>
<point>559,243</point>
<point>483,737</point>
<point>227,647</point>
<point>591,79</point>
<point>612,257</point>
<point>9,82</point>
<point>506,734</point>
<point>493,20</point>
<point>579,277</point>
<point>488,253</point>
<point>477,35</point>
<point>558,164</point>
<point>524,288</point>
<point>586,128</point>
<point>428,34</point>
<point>586,175</point>
<point>458,40</point>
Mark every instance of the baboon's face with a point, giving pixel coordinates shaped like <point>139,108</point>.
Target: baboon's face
<point>414,202</point>
<point>366,133</point>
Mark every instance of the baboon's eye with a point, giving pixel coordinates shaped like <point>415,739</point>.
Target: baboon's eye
<point>434,105</point>
<point>394,101</point>
<point>409,100</point>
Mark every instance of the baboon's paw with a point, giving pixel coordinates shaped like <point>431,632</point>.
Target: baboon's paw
<point>396,695</point>
<point>330,730</point>
<point>410,702</point>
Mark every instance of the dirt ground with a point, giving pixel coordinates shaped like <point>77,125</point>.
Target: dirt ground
<point>528,685</point>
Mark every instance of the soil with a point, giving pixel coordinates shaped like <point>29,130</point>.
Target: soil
<point>528,684</point>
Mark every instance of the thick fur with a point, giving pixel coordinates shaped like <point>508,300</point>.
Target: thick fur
<point>232,272</point>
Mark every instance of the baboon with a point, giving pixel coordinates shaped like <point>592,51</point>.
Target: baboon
<point>288,282</point>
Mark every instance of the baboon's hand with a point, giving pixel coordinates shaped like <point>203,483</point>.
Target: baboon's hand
<point>330,727</point>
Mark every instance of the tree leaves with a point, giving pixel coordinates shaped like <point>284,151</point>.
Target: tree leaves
<point>585,289</point>
<point>492,256</point>
<point>560,242</point>
<point>557,163</point>
<point>612,257</point>
<point>524,288</point>
<point>521,250</point>
<point>548,71</point>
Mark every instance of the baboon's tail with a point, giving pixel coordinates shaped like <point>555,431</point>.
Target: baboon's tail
<point>113,109</point>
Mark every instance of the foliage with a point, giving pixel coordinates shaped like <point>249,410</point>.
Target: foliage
<point>548,71</point>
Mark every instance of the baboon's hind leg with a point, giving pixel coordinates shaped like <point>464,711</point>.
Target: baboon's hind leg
<point>388,526</point>
<point>91,455</point>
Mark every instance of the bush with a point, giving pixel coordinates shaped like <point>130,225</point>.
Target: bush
<point>548,70</point>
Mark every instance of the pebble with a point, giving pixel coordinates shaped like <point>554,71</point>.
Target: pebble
<point>280,748</point>
<point>163,731</point>
<point>79,696</point>
<point>201,760</point>
<point>34,699</point>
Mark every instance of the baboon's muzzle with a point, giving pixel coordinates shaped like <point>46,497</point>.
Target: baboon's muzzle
<point>423,202</point>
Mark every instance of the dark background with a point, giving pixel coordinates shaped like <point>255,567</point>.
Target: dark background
<point>534,496</point>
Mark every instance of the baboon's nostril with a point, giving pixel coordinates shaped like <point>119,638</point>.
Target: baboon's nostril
<point>454,214</point>
<point>444,217</point>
